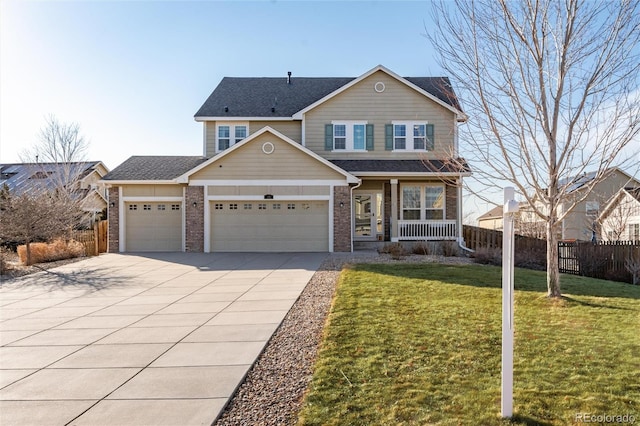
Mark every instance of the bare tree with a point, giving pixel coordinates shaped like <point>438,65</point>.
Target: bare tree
<point>551,90</point>
<point>61,144</point>
<point>51,204</point>
<point>41,216</point>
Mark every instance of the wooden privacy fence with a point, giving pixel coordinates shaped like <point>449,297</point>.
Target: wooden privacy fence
<point>475,238</point>
<point>604,259</point>
<point>94,240</point>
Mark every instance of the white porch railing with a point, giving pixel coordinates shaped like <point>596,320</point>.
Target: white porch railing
<point>423,230</point>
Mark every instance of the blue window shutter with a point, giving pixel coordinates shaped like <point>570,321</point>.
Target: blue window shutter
<point>430,139</point>
<point>328,137</point>
<point>388,137</point>
<point>369,137</point>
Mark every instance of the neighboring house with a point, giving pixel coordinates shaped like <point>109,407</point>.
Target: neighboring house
<point>582,222</point>
<point>301,164</point>
<point>84,177</point>
<point>492,219</point>
<point>620,219</point>
<point>526,222</point>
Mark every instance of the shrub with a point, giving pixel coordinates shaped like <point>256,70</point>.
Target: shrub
<point>488,256</point>
<point>422,248</point>
<point>619,275</point>
<point>48,252</point>
<point>4,261</point>
<point>449,248</point>
<point>395,250</point>
<point>531,258</point>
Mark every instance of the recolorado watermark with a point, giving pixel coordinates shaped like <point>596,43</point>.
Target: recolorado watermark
<point>605,418</point>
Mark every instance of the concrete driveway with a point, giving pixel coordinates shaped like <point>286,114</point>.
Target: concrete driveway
<point>147,339</point>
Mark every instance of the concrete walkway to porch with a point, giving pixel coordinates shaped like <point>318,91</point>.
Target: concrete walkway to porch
<point>140,339</point>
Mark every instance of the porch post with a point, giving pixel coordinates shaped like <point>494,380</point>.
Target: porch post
<point>394,210</point>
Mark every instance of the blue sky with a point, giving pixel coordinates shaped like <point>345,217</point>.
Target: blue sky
<point>133,73</point>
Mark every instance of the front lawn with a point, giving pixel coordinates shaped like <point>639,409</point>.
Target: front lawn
<point>421,344</point>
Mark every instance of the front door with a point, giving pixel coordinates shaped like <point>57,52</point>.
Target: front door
<point>367,216</point>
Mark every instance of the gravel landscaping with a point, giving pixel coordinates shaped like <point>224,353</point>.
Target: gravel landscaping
<point>272,392</point>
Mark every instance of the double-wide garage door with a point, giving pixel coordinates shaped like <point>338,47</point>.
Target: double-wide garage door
<point>269,226</point>
<point>153,226</point>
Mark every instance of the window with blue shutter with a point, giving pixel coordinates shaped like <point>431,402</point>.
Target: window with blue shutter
<point>369,137</point>
<point>328,137</point>
<point>388,137</point>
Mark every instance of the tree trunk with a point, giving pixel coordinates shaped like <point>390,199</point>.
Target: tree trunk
<point>553,270</point>
<point>28,247</point>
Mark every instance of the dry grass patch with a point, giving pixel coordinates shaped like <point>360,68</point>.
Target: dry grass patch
<point>48,252</point>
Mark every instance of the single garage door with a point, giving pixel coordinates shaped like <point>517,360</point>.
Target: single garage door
<point>269,226</point>
<point>153,226</point>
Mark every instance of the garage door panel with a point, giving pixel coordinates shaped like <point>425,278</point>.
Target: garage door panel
<point>270,226</point>
<point>153,226</point>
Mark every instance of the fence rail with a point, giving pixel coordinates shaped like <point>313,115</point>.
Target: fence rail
<point>604,259</point>
<point>475,238</point>
<point>94,240</point>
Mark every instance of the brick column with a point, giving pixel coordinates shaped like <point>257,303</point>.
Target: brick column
<point>452,202</point>
<point>113,214</point>
<point>194,217</point>
<point>341,218</point>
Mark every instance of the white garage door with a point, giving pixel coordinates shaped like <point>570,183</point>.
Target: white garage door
<point>153,226</point>
<point>269,226</point>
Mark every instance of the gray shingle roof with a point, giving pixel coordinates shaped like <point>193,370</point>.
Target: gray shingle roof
<point>154,167</point>
<point>393,166</point>
<point>256,96</point>
<point>28,177</point>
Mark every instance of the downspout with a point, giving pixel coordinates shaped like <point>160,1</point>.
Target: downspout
<point>351,212</point>
<point>460,238</point>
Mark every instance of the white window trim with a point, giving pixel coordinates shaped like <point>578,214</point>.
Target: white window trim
<point>349,135</point>
<point>409,136</point>
<point>422,209</point>
<point>232,132</point>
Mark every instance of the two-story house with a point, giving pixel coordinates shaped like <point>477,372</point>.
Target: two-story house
<point>81,178</point>
<point>620,219</point>
<point>301,164</point>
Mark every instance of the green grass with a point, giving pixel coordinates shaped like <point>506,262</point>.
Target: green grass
<point>421,344</point>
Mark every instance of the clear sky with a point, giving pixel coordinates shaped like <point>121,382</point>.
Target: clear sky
<point>133,73</point>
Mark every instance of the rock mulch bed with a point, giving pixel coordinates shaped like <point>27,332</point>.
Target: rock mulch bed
<point>272,392</point>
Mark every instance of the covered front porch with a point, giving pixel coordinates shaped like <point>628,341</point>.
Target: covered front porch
<point>405,210</point>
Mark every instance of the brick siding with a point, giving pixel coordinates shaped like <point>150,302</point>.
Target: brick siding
<point>452,203</point>
<point>113,214</point>
<point>194,217</point>
<point>341,219</point>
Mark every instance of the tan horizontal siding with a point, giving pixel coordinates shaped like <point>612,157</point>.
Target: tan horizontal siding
<point>397,102</point>
<point>291,129</point>
<point>269,189</point>
<point>152,190</point>
<point>250,162</point>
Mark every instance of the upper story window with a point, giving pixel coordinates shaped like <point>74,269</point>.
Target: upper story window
<point>409,136</point>
<point>348,136</point>
<point>228,135</point>
<point>422,202</point>
<point>592,208</point>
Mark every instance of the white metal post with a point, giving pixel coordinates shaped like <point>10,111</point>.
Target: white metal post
<point>510,207</point>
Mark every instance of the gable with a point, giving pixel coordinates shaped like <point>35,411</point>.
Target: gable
<point>381,96</point>
<point>437,89</point>
<point>268,155</point>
